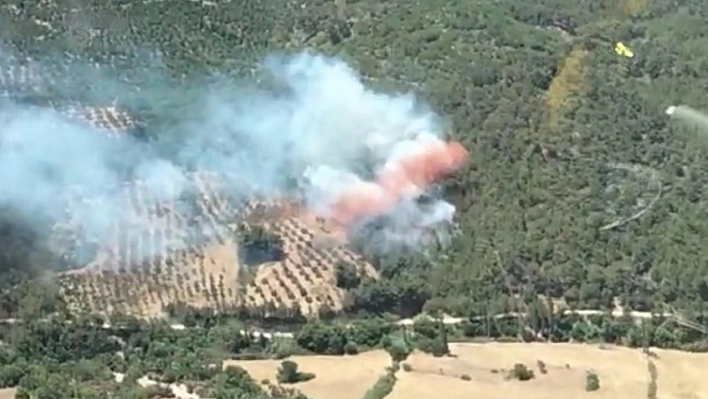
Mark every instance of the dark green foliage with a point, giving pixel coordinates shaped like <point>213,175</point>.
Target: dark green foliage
<point>592,382</point>
<point>259,246</point>
<point>542,183</point>
<point>40,340</point>
<point>369,332</point>
<point>542,368</point>
<point>383,386</point>
<point>398,347</point>
<point>435,347</point>
<point>431,337</point>
<point>64,357</point>
<point>351,349</point>
<point>398,352</point>
<point>543,179</point>
<point>323,338</point>
<point>652,387</point>
<point>346,276</point>
<point>288,373</point>
<point>521,372</point>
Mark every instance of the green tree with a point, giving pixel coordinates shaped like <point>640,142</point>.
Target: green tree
<point>288,373</point>
<point>592,382</point>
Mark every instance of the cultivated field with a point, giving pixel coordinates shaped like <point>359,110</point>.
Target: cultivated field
<point>623,373</point>
<point>186,250</point>
<point>138,273</point>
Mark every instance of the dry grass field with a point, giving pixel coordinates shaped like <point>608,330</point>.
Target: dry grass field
<point>622,372</point>
<point>338,377</point>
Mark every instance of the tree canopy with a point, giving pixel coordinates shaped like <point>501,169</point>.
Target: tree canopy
<point>580,189</point>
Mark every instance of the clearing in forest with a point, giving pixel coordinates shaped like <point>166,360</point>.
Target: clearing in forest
<point>622,373</point>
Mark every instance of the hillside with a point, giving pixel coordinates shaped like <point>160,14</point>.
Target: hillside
<point>580,190</point>
<point>211,271</point>
<point>569,140</point>
<point>546,107</point>
<point>158,198</point>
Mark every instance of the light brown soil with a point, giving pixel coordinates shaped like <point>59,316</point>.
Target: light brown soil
<point>622,372</point>
<point>346,377</point>
<point>7,393</point>
<point>208,274</point>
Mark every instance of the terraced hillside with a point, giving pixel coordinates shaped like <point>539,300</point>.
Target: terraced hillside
<point>110,119</point>
<point>162,256</point>
<point>140,267</point>
<point>183,250</point>
<point>306,273</point>
<point>29,81</point>
<point>187,250</point>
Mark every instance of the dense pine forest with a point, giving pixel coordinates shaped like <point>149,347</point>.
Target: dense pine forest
<point>581,192</point>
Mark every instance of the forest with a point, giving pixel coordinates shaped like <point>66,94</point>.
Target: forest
<point>569,141</point>
<point>68,357</point>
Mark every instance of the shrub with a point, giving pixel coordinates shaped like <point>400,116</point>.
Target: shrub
<point>407,367</point>
<point>435,346</point>
<point>382,388</point>
<point>465,377</point>
<point>289,374</point>
<point>398,352</point>
<point>439,348</point>
<point>592,382</point>
<point>542,367</point>
<point>351,349</point>
<point>653,375</point>
<point>521,373</point>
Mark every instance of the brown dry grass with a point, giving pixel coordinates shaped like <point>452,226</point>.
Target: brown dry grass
<point>307,274</point>
<point>345,377</point>
<point>630,7</point>
<point>571,80</point>
<point>206,270</point>
<point>135,271</point>
<point>7,393</point>
<point>622,372</point>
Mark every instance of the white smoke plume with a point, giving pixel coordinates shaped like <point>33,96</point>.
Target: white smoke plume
<point>317,123</point>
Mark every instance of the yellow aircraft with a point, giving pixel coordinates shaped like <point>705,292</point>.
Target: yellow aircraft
<point>623,50</point>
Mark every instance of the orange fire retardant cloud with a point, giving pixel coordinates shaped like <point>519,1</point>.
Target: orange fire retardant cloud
<point>414,172</point>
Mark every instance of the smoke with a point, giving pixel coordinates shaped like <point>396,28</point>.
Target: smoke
<point>689,115</point>
<point>319,125</point>
<point>42,154</point>
<point>316,130</point>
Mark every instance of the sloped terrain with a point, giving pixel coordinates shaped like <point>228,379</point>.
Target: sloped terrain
<point>306,274</point>
<point>110,119</point>
<point>185,250</point>
<point>139,267</point>
<point>188,252</point>
<point>535,91</point>
<point>139,273</point>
